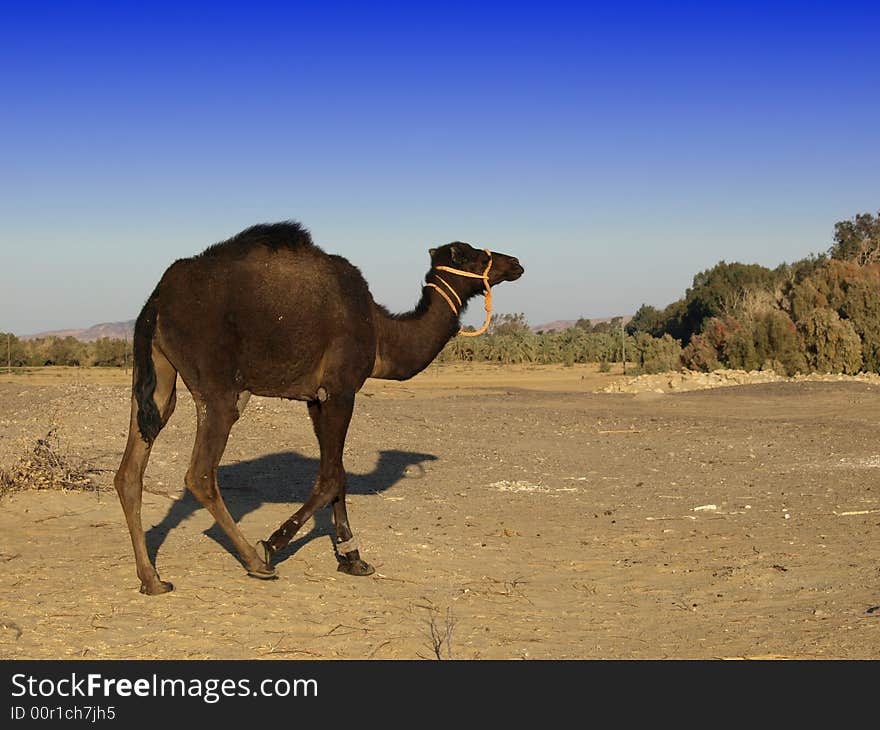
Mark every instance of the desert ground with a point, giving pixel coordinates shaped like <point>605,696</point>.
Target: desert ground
<point>510,512</point>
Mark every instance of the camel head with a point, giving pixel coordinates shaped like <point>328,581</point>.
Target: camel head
<point>464,257</point>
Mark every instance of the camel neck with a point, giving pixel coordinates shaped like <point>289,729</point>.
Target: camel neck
<point>407,343</point>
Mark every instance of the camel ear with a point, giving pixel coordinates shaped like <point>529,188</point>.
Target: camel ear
<point>458,256</point>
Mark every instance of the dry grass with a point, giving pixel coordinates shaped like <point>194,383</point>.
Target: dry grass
<point>46,465</point>
<point>441,636</point>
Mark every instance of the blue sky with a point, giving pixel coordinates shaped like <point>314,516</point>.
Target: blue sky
<point>616,149</point>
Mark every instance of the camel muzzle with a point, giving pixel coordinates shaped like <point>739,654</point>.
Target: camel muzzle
<point>511,272</point>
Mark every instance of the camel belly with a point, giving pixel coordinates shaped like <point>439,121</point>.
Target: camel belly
<point>306,373</point>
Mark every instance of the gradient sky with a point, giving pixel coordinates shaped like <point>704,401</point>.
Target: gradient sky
<point>615,148</point>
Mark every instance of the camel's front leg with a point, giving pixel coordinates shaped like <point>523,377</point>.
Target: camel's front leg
<point>346,544</point>
<point>330,419</point>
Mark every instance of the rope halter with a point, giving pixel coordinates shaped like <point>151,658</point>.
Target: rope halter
<point>487,294</point>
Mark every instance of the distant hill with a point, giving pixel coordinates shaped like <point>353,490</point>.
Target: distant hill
<point>564,324</point>
<point>558,324</point>
<point>124,330</point>
<point>114,330</point>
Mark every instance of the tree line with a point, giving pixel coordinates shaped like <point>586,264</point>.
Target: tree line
<point>40,351</point>
<point>821,313</point>
<point>510,341</point>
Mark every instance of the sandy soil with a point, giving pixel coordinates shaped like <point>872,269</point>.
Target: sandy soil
<point>515,510</point>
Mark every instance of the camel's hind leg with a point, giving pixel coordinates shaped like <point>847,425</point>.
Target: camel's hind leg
<point>215,419</point>
<point>129,479</point>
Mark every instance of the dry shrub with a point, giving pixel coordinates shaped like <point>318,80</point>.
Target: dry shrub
<point>47,466</point>
<point>441,635</point>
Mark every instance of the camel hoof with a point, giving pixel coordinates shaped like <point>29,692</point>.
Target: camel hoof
<point>354,566</point>
<point>157,588</point>
<point>264,572</point>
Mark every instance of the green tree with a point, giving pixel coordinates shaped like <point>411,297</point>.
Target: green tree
<point>804,296</point>
<point>609,326</point>
<point>861,307</point>
<point>674,318</point>
<point>722,290</point>
<point>12,350</point>
<point>547,349</point>
<point>506,324</point>
<point>572,345</point>
<point>458,349</point>
<point>850,290</point>
<point>107,352</point>
<point>857,239</point>
<point>647,319</point>
<point>66,351</point>
<point>513,348</point>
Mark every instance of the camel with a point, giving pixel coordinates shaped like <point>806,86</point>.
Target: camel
<point>268,312</point>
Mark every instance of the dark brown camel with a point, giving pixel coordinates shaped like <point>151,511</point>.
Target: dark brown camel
<point>270,313</point>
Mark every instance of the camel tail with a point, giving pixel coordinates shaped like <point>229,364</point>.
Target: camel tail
<point>148,418</point>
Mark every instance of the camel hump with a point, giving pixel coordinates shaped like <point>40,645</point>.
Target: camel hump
<point>286,235</point>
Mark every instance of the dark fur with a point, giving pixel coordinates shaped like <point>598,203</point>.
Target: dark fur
<point>287,234</point>
<point>148,419</point>
<point>452,252</point>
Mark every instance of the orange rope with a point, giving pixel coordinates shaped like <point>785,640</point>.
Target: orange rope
<point>443,293</point>
<point>486,294</point>
<point>445,296</point>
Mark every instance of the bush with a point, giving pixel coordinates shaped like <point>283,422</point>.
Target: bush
<point>46,466</point>
<point>647,319</point>
<point>776,343</point>
<point>831,344</point>
<point>657,355</point>
<point>766,339</point>
<point>739,350</point>
<point>861,306</point>
<point>701,354</point>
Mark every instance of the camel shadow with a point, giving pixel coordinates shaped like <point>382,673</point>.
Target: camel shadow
<point>283,478</point>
